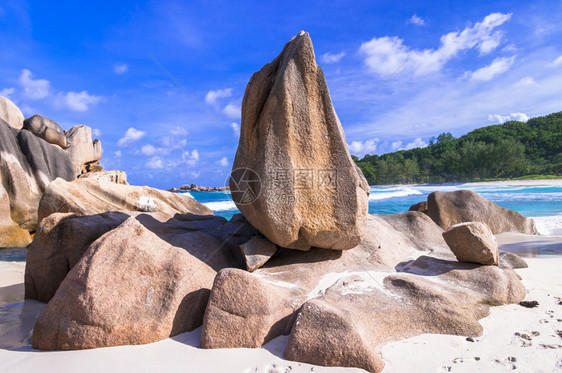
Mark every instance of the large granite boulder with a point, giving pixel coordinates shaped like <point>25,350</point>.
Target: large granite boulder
<point>360,313</point>
<point>472,242</point>
<point>10,113</point>
<point>46,129</point>
<point>462,206</point>
<point>28,164</point>
<point>84,152</point>
<point>138,283</point>
<point>90,196</point>
<point>293,177</point>
<point>343,306</point>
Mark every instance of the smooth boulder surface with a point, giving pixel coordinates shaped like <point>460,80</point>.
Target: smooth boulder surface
<point>90,196</point>
<point>46,129</point>
<point>302,189</point>
<point>11,235</point>
<point>138,283</point>
<point>27,165</point>
<point>472,242</point>
<point>83,151</point>
<point>10,113</point>
<point>462,206</point>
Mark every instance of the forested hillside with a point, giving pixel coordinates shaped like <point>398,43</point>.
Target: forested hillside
<point>512,149</point>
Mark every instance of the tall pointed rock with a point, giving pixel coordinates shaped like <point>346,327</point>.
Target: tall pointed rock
<point>293,159</point>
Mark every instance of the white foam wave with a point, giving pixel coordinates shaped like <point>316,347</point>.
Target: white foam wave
<point>185,194</point>
<point>549,225</point>
<point>221,205</point>
<point>390,193</point>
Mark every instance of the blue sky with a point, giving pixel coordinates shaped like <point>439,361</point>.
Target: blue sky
<point>457,66</point>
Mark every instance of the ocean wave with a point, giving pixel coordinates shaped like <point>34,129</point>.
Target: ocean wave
<point>549,225</point>
<point>392,193</point>
<point>221,205</point>
<point>185,194</point>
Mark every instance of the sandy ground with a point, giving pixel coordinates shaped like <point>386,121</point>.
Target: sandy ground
<point>515,338</point>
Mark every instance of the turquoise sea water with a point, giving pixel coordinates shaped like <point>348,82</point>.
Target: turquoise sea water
<point>529,201</point>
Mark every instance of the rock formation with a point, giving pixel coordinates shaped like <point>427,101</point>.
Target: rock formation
<point>357,281</point>
<point>46,129</point>
<point>472,242</point>
<point>84,153</point>
<point>28,164</point>
<point>132,286</point>
<point>90,196</point>
<point>302,188</point>
<point>462,206</point>
<point>10,113</point>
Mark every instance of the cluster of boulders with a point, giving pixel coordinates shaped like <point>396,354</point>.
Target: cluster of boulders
<point>34,152</point>
<point>198,188</point>
<point>123,265</point>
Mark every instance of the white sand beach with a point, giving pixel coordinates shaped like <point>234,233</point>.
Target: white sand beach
<point>514,338</point>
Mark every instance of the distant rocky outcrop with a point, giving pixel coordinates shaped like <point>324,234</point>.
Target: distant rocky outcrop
<point>472,242</point>
<point>461,206</point>
<point>84,152</point>
<point>293,177</point>
<point>10,113</point>
<point>91,196</point>
<point>198,188</point>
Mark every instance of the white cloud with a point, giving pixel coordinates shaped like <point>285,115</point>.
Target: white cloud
<point>360,148</point>
<point>524,82</point>
<point>169,143</point>
<point>497,67</point>
<point>213,95</point>
<point>500,119</point>
<point>236,128</point>
<point>130,137</point>
<point>148,150</point>
<point>178,131</point>
<point>76,101</point>
<point>191,158</point>
<point>332,57</point>
<point>118,153</point>
<point>120,68</point>
<point>416,20</point>
<point>7,92</point>
<point>396,145</point>
<point>34,89</point>
<point>386,54</point>
<point>155,163</point>
<point>417,143</point>
<point>232,111</point>
<point>96,132</point>
<point>557,61</point>
<point>222,162</point>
